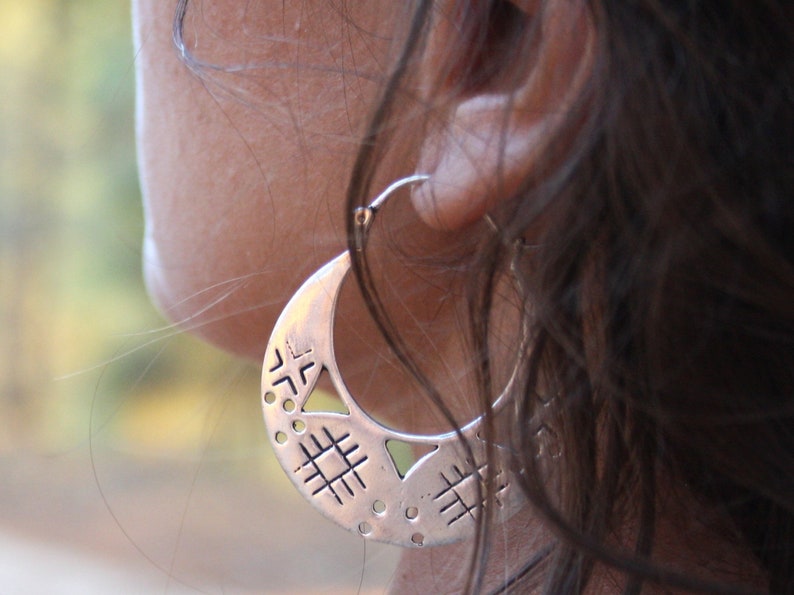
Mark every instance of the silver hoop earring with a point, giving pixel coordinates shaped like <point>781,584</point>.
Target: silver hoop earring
<point>342,462</point>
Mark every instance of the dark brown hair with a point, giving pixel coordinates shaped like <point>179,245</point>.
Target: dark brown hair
<point>661,291</point>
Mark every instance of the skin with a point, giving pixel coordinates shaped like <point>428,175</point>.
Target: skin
<point>244,180</point>
<point>244,194</point>
<point>243,189</point>
<point>244,176</point>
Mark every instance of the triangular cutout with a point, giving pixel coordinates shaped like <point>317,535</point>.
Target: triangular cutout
<point>324,400</point>
<point>405,456</point>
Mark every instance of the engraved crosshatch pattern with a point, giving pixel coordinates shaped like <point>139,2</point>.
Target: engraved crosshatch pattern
<point>293,369</point>
<point>454,506</point>
<point>332,465</point>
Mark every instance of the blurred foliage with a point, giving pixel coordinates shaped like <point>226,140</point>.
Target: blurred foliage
<point>119,433</point>
<point>79,341</point>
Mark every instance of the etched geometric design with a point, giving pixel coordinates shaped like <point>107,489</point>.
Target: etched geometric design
<point>331,465</point>
<point>454,507</point>
<point>292,369</point>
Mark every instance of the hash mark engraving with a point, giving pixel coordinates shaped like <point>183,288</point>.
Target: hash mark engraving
<point>279,361</point>
<point>333,465</point>
<point>454,506</point>
<point>291,369</point>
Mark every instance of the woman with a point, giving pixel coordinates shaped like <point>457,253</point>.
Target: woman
<point>608,203</point>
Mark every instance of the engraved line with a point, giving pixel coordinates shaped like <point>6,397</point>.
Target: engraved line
<point>457,499</point>
<point>447,507</point>
<point>296,356</point>
<point>335,440</point>
<point>311,461</point>
<point>291,384</point>
<point>351,468</point>
<point>303,372</point>
<point>450,484</point>
<point>326,484</point>
<point>467,510</point>
<point>279,363</point>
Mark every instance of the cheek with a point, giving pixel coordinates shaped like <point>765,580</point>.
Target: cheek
<point>244,170</point>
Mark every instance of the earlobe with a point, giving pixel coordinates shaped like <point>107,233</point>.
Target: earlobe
<point>491,139</point>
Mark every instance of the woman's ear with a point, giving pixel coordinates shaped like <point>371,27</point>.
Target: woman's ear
<point>492,132</point>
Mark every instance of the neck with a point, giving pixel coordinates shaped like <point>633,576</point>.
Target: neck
<point>684,543</point>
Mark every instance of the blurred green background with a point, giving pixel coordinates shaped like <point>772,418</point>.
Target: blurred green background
<point>129,452</point>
